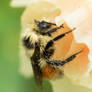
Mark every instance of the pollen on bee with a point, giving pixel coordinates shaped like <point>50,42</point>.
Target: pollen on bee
<point>48,72</point>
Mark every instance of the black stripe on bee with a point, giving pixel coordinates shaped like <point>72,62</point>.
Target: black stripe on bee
<point>48,53</point>
<point>28,43</point>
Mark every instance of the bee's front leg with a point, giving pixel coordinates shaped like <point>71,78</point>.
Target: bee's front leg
<point>49,45</point>
<point>62,63</point>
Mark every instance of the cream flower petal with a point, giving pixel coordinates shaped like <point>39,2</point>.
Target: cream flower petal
<point>21,3</point>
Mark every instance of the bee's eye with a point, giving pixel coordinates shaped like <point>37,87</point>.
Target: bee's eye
<point>43,25</point>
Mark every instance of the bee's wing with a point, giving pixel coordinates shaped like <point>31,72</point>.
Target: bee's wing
<point>37,74</point>
<point>35,64</point>
<point>29,67</point>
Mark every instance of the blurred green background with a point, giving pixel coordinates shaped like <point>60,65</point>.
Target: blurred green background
<point>10,79</point>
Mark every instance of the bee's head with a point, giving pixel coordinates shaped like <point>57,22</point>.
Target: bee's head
<point>43,26</point>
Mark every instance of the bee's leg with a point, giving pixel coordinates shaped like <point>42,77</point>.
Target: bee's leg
<point>28,43</point>
<point>51,42</point>
<point>61,63</point>
<point>62,35</point>
<point>54,29</point>
<point>48,51</point>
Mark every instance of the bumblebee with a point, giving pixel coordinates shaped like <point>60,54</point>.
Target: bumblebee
<point>39,45</point>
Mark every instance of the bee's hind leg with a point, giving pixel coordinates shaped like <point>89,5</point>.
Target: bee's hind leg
<point>62,63</point>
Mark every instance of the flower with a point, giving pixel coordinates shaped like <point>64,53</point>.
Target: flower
<point>73,13</point>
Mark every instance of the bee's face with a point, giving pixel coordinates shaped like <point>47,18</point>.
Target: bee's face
<point>43,27</point>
